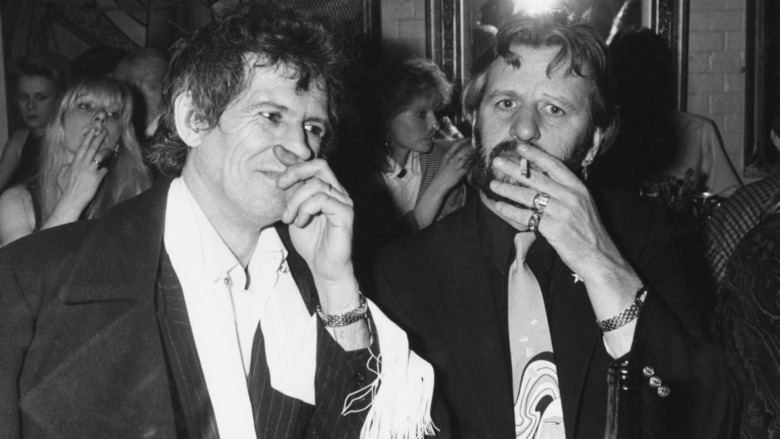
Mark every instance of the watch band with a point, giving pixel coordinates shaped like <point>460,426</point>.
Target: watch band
<point>626,316</point>
<point>348,318</point>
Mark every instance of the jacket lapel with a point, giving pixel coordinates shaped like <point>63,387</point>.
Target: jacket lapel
<point>467,314</point>
<point>103,350</point>
<point>122,249</point>
<point>575,337</point>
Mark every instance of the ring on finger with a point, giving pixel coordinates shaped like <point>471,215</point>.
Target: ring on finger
<point>534,220</point>
<point>540,202</point>
<point>96,161</point>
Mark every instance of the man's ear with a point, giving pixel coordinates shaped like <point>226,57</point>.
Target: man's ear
<point>190,128</point>
<point>598,137</point>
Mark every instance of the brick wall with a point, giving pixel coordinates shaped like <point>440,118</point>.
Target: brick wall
<point>716,61</point>
<point>403,21</point>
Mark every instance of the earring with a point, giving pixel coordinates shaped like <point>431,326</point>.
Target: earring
<point>387,140</point>
<point>586,168</point>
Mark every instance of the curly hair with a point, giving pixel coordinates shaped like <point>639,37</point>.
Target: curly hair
<point>127,177</point>
<point>581,50</point>
<point>211,66</point>
<point>403,84</point>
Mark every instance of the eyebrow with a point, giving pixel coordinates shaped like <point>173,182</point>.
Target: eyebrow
<point>565,102</point>
<point>278,107</point>
<point>503,93</point>
<point>284,109</point>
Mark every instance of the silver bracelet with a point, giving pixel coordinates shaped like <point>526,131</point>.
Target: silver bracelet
<point>627,315</point>
<point>348,318</point>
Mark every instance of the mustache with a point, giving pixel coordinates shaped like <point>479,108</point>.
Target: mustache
<point>480,165</point>
<point>475,158</point>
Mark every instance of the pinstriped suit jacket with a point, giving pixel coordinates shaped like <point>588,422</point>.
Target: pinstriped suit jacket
<point>83,354</point>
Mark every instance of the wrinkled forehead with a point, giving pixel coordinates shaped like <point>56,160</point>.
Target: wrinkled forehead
<point>558,60</point>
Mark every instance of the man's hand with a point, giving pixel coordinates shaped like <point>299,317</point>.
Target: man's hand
<point>571,224</point>
<point>320,214</point>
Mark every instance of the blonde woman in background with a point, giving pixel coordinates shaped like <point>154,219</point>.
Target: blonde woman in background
<point>90,161</point>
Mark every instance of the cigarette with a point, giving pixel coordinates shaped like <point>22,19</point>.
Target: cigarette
<point>524,168</point>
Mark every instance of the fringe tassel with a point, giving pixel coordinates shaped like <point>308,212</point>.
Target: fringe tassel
<point>403,391</point>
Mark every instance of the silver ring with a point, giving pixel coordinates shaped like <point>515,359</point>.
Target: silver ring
<point>534,220</point>
<point>540,202</point>
<point>96,161</point>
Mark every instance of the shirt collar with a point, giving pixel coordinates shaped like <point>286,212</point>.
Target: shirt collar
<point>412,166</point>
<point>188,226</point>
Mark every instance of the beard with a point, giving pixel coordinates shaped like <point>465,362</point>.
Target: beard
<point>481,171</point>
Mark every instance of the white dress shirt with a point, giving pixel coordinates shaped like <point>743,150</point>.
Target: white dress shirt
<point>404,186</point>
<point>225,310</point>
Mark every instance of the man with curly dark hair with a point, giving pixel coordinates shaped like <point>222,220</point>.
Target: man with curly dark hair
<point>223,301</point>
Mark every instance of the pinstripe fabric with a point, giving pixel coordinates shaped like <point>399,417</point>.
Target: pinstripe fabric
<point>733,219</point>
<point>276,416</point>
<point>192,405</point>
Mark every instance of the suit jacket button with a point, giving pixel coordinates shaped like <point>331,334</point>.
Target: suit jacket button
<point>655,382</point>
<point>664,391</point>
<point>648,371</point>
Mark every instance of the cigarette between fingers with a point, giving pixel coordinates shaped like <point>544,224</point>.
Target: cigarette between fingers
<point>524,168</point>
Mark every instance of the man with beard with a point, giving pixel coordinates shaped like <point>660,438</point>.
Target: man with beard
<point>529,297</point>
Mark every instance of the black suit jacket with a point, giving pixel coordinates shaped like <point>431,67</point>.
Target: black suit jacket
<point>447,287</point>
<point>81,350</point>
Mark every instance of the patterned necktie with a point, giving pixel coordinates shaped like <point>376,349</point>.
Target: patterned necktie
<point>529,332</point>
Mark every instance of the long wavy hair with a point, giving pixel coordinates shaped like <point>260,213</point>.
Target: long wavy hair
<point>127,177</point>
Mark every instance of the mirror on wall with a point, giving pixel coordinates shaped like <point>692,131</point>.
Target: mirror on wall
<point>458,30</point>
<point>762,89</point>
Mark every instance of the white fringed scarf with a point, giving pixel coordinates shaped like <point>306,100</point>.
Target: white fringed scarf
<point>402,392</point>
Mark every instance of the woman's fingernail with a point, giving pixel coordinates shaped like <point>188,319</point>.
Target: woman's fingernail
<point>523,147</point>
<point>499,161</point>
